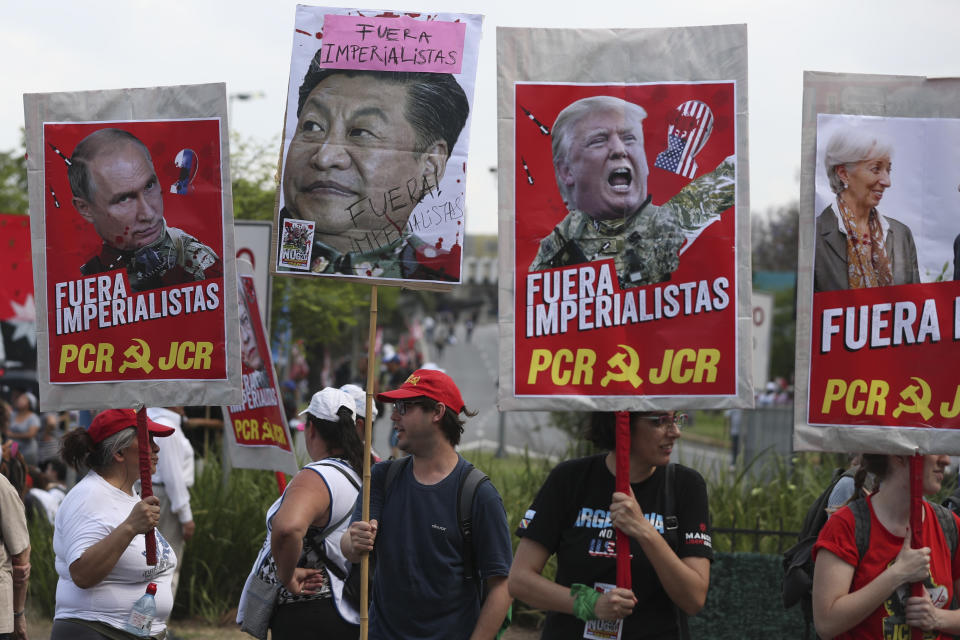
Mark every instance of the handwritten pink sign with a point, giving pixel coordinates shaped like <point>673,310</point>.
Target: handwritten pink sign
<point>392,44</point>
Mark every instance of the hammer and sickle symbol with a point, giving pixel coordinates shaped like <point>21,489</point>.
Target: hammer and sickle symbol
<point>625,371</point>
<point>138,357</point>
<point>919,403</point>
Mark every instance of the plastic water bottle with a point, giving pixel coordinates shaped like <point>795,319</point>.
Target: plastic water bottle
<point>143,613</point>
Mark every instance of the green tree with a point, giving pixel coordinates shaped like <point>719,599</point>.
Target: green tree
<point>13,179</point>
<point>775,238</point>
<point>254,178</point>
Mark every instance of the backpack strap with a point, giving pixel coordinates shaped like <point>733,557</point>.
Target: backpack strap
<point>948,525</point>
<point>861,525</point>
<point>346,475</point>
<point>671,532</point>
<point>394,467</point>
<point>470,480</point>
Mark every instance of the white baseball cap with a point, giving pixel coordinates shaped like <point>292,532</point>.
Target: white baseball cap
<point>325,403</point>
<point>360,399</point>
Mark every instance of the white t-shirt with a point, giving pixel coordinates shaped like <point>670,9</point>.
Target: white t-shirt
<point>175,465</point>
<point>90,512</point>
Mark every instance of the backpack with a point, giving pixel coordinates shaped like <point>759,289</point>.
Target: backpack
<point>798,561</point>
<point>952,501</point>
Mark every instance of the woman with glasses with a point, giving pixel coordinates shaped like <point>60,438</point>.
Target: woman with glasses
<point>575,515</point>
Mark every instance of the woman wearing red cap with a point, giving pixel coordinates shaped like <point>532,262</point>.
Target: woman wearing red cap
<point>99,538</point>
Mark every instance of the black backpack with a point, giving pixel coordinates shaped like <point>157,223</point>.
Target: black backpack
<point>797,560</point>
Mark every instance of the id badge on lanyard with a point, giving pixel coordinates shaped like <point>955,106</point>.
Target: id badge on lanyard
<point>603,629</point>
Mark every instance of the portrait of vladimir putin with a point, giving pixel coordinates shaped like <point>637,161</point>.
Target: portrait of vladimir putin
<point>368,147</point>
<point>116,189</point>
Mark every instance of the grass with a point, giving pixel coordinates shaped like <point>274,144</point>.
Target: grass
<point>710,424</point>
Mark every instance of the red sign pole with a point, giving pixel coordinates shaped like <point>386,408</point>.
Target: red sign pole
<point>916,524</point>
<point>146,486</point>
<point>623,485</point>
<point>281,481</point>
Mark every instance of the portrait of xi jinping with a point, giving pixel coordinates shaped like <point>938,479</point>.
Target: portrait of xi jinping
<point>368,147</point>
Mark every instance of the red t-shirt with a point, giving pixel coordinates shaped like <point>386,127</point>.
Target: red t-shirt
<point>887,620</point>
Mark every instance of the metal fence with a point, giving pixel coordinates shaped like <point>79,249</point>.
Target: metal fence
<point>765,430</point>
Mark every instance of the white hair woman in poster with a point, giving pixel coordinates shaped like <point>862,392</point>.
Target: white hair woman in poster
<point>856,246</point>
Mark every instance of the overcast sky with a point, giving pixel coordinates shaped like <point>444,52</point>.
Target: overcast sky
<point>61,45</point>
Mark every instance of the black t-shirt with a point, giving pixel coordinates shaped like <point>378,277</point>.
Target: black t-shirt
<point>570,517</point>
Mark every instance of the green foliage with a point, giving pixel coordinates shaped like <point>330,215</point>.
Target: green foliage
<point>783,337</point>
<point>774,238</point>
<point>320,311</point>
<point>253,173</point>
<point>13,180</point>
<point>518,478</point>
<point>42,592</point>
<point>231,526</point>
<point>740,500</point>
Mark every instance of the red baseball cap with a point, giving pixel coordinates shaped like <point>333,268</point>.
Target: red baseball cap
<point>431,383</point>
<point>112,421</point>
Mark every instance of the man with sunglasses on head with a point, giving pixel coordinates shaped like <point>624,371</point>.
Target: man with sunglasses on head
<point>574,516</point>
<point>420,589</point>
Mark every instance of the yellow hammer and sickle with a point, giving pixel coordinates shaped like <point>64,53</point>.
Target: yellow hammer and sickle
<point>627,372</point>
<point>139,357</point>
<point>920,403</point>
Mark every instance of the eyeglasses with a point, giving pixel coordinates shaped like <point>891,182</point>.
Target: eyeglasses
<point>402,406</point>
<point>665,420</point>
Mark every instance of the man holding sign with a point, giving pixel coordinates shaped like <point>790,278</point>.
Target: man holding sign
<point>422,588</point>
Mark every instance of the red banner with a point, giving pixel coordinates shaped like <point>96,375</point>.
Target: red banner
<point>134,251</point>
<point>259,420</point>
<point>884,356</point>
<point>589,323</point>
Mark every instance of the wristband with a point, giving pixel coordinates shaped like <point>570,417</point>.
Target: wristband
<point>17,614</point>
<point>584,601</point>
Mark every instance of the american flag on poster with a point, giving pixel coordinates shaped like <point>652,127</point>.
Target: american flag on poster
<point>686,135</point>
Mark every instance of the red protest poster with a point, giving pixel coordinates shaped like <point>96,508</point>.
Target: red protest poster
<point>885,300</point>
<point>625,240</point>
<point>256,429</point>
<point>17,309</point>
<point>134,246</point>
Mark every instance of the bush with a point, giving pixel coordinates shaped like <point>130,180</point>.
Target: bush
<point>42,592</point>
<point>230,528</point>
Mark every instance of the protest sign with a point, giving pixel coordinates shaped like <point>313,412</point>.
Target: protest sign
<point>18,345</point>
<point>256,430</point>
<point>877,318</point>
<point>375,146</point>
<point>132,231</point>
<point>253,245</point>
<point>624,235</point>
